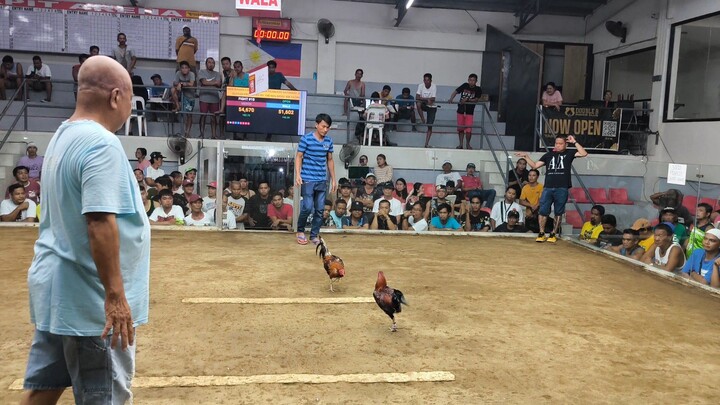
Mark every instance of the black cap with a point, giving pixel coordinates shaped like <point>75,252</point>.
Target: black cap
<point>345,184</point>
<point>513,213</point>
<point>469,165</point>
<point>388,184</point>
<point>441,187</point>
<point>156,155</point>
<point>154,76</point>
<point>356,205</point>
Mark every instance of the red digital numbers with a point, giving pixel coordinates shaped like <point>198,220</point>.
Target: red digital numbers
<point>272,35</point>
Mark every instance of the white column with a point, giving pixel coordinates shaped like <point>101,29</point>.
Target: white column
<point>326,65</point>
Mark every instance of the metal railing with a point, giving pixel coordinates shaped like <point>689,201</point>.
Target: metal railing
<point>22,89</point>
<point>508,157</point>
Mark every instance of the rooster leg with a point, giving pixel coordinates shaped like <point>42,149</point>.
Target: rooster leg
<point>331,285</point>
<point>394,326</point>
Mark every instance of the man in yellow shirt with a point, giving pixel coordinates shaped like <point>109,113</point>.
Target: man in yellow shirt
<point>530,199</point>
<point>647,239</point>
<point>592,228</point>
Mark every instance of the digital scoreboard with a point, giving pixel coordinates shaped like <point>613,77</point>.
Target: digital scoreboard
<point>274,112</point>
<point>271,29</point>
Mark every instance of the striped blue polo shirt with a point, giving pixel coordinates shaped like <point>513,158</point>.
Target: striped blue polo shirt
<point>314,164</point>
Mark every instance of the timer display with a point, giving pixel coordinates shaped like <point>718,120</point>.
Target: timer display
<point>271,29</point>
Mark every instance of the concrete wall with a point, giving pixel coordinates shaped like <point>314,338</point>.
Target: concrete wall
<point>649,23</point>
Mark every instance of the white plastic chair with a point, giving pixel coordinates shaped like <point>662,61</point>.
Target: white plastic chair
<point>374,119</point>
<point>142,122</point>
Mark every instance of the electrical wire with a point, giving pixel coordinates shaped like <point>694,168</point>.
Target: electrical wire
<point>476,23</point>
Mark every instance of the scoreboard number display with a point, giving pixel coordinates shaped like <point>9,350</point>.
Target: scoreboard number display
<point>274,112</point>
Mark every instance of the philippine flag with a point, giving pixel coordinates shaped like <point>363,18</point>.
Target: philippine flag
<point>286,55</point>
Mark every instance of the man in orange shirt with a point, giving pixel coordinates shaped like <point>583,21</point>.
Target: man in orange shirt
<point>186,46</point>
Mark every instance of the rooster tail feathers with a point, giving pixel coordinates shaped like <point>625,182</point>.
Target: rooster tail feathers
<point>322,249</point>
<point>399,298</point>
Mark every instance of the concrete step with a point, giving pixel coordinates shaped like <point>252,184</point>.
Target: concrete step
<point>497,178</point>
<point>35,123</point>
<point>14,148</point>
<point>8,160</point>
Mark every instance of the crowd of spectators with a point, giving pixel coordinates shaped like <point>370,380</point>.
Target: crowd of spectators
<point>679,243</point>
<point>688,247</point>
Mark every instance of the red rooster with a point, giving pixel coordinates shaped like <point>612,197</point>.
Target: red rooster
<point>388,299</point>
<point>334,265</point>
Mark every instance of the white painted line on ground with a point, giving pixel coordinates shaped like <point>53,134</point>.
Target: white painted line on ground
<point>266,301</point>
<point>230,380</point>
<point>205,381</point>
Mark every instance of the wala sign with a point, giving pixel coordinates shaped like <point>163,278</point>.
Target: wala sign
<point>259,8</point>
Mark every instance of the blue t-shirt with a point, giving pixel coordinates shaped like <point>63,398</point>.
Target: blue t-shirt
<point>336,219</point>
<point>158,91</point>
<point>451,223</point>
<point>242,81</point>
<point>275,81</point>
<point>85,171</point>
<point>696,263</point>
<point>403,104</point>
<point>314,163</point>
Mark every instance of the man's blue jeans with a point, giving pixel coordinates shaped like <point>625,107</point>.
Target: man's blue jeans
<point>313,200</point>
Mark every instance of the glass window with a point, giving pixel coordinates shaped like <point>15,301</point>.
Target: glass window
<point>694,93</point>
<point>631,74</point>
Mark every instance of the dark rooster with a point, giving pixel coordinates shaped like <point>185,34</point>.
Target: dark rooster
<point>334,265</point>
<point>388,299</point>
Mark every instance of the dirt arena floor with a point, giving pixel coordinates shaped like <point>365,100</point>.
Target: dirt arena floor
<point>514,321</point>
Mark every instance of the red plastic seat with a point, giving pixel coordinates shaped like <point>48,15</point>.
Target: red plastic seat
<point>573,218</point>
<point>619,196</point>
<point>578,194</point>
<point>599,196</point>
<point>429,190</point>
<point>587,215</point>
<point>654,222</point>
<point>689,202</point>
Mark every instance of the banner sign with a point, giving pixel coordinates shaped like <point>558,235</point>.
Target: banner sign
<point>593,128</point>
<point>259,8</point>
<point>110,9</point>
<point>259,80</point>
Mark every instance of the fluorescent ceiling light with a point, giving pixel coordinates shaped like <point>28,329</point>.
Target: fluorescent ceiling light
<point>409,4</point>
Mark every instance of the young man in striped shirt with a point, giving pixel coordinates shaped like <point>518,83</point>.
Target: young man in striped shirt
<point>312,162</point>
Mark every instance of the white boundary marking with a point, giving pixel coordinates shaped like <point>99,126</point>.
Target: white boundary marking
<point>267,301</point>
<point>231,380</point>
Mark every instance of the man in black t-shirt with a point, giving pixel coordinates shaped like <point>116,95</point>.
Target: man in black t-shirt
<point>610,235</point>
<point>558,164</point>
<point>512,225</point>
<point>469,95</point>
<point>382,219</point>
<point>257,207</point>
<point>475,218</point>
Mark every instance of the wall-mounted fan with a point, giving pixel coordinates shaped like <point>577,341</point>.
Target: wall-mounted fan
<point>616,28</point>
<point>326,28</point>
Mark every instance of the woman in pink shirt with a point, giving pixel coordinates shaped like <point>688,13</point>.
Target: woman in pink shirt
<point>551,97</point>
